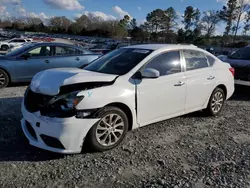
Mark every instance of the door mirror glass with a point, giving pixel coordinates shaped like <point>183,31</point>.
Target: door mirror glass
<point>26,56</point>
<point>150,73</point>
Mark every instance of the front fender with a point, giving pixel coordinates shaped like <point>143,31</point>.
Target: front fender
<point>100,97</point>
<point>6,69</point>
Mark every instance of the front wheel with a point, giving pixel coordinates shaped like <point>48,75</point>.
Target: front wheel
<point>4,79</point>
<point>109,131</point>
<point>4,47</point>
<point>216,102</point>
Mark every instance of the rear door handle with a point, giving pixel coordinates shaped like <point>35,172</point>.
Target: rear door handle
<point>180,83</point>
<point>211,78</point>
<point>46,61</point>
<point>77,59</point>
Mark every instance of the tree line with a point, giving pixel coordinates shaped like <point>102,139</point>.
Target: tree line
<point>161,25</point>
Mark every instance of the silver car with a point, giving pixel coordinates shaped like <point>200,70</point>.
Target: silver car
<point>22,64</point>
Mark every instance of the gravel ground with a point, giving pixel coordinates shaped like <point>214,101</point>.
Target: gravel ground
<point>189,151</point>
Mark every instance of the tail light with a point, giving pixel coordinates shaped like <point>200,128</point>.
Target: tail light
<point>232,71</point>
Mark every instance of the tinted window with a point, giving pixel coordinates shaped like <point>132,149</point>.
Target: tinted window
<point>63,50</point>
<point>211,60</point>
<point>167,63</point>
<point>119,61</point>
<point>243,53</point>
<point>195,60</point>
<point>40,51</point>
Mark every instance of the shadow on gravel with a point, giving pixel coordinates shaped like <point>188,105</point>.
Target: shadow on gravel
<point>18,84</point>
<point>13,144</point>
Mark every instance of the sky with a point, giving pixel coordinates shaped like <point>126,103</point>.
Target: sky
<point>106,9</point>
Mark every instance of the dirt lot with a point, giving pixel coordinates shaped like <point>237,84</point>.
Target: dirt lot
<point>189,151</point>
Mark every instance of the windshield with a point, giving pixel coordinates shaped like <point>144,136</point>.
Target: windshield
<point>20,50</point>
<point>118,62</point>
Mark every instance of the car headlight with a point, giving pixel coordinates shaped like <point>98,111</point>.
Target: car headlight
<point>66,102</point>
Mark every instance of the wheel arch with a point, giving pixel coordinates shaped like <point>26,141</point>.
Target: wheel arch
<point>126,110</point>
<point>224,88</point>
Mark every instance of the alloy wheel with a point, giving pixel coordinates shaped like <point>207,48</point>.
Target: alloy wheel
<point>217,102</point>
<point>2,79</point>
<point>110,129</point>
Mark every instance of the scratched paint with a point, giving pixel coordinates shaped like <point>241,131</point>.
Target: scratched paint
<point>90,93</point>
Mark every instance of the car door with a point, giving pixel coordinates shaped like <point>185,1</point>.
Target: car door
<point>33,61</point>
<point>164,97</point>
<point>67,57</point>
<point>200,78</point>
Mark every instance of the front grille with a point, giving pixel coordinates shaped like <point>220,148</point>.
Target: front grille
<point>52,142</point>
<point>35,102</point>
<point>31,130</point>
<point>242,73</point>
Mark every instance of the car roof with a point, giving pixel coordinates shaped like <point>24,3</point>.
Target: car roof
<point>53,44</point>
<point>162,46</point>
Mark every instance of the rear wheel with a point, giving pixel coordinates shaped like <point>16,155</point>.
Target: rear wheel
<point>4,79</point>
<point>216,102</point>
<point>109,131</point>
<point>4,47</point>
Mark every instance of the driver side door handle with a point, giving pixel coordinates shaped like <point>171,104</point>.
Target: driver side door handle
<point>211,78</point>
<point>180,83</point>
<point>46,61</point>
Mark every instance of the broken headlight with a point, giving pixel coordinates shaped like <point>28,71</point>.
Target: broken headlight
<point>66,102</point>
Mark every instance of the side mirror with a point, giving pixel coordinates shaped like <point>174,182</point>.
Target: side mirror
<point>25,56</point>
<point>150,73</point>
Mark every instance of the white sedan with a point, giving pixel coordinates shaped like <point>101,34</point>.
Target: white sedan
<point>123,90</point>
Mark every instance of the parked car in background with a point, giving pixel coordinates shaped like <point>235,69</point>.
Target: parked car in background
<point>12,48</point>
<point>125,89</point>
<point>105,48</point>
<point>22,64</point>
<point>240,61</point>
<point>5,45</point>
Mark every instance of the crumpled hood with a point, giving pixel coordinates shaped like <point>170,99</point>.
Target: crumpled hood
<point>48,82</point>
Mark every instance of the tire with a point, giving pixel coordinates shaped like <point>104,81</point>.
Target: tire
<point>4,79</point>
<point>216,102</point>
<point>100,143</point>
<point>4,47</point>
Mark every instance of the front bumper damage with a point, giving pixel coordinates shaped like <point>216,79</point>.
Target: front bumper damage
<point>61,135</point>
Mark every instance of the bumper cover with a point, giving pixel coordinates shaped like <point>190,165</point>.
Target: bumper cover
<point>69,131</point>
<point>242,82</point>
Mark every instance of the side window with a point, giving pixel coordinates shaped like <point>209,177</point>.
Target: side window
<point>211,60</point>
<point>195,60</point>
<point>40,52</point>
<point>167,63</point>
<point>243,53</point>
<point>61,51</point>
<point>14,40</point>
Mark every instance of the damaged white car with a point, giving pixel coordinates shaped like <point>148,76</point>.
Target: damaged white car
<point>125,89</point>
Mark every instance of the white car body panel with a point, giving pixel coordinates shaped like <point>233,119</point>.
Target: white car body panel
<point>195,98</point>
<point>160,98</point>
<point>149,100</point>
